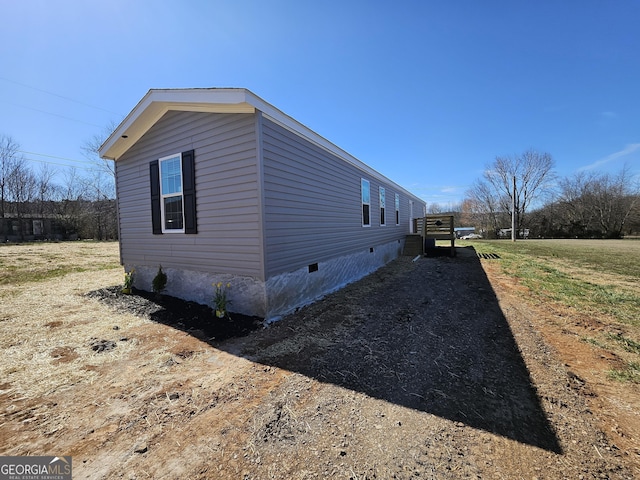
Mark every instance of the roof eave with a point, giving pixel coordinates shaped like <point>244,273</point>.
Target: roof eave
<point>157,102</point>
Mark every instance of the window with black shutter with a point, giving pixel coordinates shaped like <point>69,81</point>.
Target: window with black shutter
<point>365,190</point>
<point>173,194</point>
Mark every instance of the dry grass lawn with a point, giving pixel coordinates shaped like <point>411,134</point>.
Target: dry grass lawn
<point>44,315</point>
<point>342,389</point>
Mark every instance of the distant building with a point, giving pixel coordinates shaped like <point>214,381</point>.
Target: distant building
<point>29,228</point>
<point>506,233</point>
<point>462,231</point>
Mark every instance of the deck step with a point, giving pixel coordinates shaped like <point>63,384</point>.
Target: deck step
<point>413,245</point>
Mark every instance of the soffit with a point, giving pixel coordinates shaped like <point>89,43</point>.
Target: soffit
<point>158,102</point>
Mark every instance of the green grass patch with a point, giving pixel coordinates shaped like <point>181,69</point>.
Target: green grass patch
<point>37,262</point>
<point>600,279</point>
<point>631,373</point>
<point>597,278</point>
<point>13,275</point>
<point>547,268</point>
<point>618,257</point>
<point>593,341</point>
<point>626,343</point>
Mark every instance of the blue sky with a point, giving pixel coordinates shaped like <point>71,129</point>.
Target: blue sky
<point>426,92</point>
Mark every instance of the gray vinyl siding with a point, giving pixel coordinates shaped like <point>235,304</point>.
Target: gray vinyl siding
<point>312,204</point>
<point>227,195</point>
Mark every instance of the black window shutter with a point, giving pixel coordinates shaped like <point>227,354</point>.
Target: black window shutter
<point>189,191</point>
<point>154,175</point>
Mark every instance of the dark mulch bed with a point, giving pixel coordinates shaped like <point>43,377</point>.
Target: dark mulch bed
<point>197,319</point>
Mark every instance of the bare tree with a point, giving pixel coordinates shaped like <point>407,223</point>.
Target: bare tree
<point>22,188</point>
<point>9,158</point>
<point>83,205</point>
<point>45,188</point>
<point>598,204</point>
<point>576,217</point>
<point>72,193</point>
<point>434,208</point>
<point>615,198</point>
<point>513,184</point>
<point>73,187</point>
<point>105,172</point>
<point>483,207</point>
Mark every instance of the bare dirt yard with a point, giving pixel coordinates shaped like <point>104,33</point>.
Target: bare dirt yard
<point>436,368</point>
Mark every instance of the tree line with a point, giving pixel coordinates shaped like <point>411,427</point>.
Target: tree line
<point>526,190</point>
<point>523,189</point>
<point>47,204</point>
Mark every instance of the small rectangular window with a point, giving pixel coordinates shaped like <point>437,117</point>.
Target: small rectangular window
<point>383,220</point>
<point>172,210</point>
<point>366,202</point>
<point>37,227</point>
<point>397,209</point>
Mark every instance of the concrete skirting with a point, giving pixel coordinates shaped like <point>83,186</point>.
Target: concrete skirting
<point>288,291</point>
<point>280,294</point>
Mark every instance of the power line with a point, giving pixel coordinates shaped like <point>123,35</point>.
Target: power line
<point>49,162</point>
<point>83,163</point>
<point>56,115</point>
<point>53,156</point>
<point>59,96</point>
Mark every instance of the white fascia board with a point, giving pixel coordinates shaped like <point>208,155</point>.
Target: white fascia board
<point>291,124</point>
<point>158,102</point>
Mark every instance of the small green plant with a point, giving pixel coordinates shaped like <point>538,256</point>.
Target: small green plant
<point>220,299</point>
<point>128,281</point>
<point>593,342</point>
<point>626,343</point>
<point>159,282</point>
<point>630,373</point>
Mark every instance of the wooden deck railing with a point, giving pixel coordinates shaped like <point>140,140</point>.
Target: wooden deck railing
<point>436,227</point>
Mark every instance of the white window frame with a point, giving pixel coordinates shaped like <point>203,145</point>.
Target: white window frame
<point>164,195</point>
<point>397,206</point>
<point>382,197</point>
<point>411,229</point>
<point>367,202</point>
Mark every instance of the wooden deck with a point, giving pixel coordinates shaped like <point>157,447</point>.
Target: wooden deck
<point>435,227</point>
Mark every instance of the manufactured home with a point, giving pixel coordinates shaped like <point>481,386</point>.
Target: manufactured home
<point>32,227</point>
<point>217,185</point>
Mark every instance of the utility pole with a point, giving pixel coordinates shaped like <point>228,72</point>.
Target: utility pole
<point>513,211</point>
